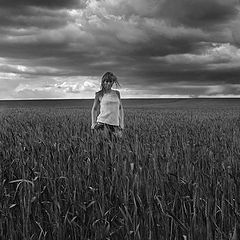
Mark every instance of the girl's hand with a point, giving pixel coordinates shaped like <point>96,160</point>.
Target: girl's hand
<point>119,132</point>
<point>93,125</point>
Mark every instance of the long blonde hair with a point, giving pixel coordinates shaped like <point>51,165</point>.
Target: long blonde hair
<point>107,76</point>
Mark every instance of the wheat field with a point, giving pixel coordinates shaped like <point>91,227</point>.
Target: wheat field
<point>173,175</point>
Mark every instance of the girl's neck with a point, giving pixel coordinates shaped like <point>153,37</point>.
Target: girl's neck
<point>107,91</point>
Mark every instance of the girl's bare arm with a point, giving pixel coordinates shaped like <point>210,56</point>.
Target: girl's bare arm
<point>121,117</point>
<point>95,108</point>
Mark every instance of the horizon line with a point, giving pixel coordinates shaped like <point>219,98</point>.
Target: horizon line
<point>130,98</point>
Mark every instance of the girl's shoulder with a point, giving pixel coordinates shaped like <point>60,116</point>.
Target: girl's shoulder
<point>117,92</point>
<point>99,95</point>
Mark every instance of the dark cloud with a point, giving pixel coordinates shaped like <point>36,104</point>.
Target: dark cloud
<point>42,3</point>
<point>29,18</point>
<point>199,13</point>
<point>170,47</point>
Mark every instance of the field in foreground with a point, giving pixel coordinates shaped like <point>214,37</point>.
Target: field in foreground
<point>173,175</point>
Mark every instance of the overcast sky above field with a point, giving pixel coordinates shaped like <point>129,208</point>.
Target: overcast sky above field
<point>157,48</point>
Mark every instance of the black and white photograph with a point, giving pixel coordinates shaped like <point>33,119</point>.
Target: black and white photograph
<point>119,119</point>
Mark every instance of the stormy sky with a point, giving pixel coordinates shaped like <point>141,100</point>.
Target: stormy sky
<point>157,48</point>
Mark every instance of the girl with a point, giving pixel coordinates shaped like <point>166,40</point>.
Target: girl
<point>111,116</point>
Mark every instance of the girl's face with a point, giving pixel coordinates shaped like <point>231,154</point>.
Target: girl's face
<point>107,84</point>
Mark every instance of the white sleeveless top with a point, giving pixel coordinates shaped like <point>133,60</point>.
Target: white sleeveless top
<point>109,109</point>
